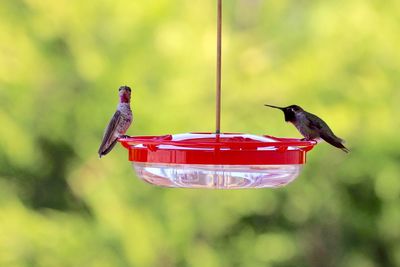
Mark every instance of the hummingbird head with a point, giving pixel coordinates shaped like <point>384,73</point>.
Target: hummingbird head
<point>125,94</point>
<point>290,112</point>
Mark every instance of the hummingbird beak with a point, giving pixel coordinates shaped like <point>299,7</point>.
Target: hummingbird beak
<point>273,106</point>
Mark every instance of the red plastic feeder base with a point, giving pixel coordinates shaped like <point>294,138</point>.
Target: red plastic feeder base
<point>221,161</point>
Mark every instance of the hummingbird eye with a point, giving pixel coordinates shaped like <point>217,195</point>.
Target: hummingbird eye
<point>295,108</point>
<point>126,88</point>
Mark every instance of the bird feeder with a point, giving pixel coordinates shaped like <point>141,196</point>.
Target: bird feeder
<point>217,160</point>
<point>223,161</point>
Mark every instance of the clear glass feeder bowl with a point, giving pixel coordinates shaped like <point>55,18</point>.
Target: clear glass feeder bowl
<point>217,176</point>
<point>223,161</point>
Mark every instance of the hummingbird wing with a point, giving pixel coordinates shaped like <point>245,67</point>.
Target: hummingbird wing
<point>325,132</point>
<point>109,138</point>
<point>317,124</point>
<point>109,148</point>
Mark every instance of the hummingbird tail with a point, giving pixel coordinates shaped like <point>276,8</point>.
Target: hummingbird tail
<point>105,150</point>
<point>335,141</point>
<point>345,149</point>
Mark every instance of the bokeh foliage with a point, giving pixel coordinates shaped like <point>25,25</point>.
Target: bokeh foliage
<point>61,63</point>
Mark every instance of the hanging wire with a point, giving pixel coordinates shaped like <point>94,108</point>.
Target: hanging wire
<point>218,86</point>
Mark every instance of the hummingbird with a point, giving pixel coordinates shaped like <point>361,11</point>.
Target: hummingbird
<point>310,125</point>
<point>119,123</point>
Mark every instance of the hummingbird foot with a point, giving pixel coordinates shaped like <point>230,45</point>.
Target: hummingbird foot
<point>123,136</point>
<point>310,139</point>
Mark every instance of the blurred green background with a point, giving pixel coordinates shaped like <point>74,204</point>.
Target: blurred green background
<point>61,63</point>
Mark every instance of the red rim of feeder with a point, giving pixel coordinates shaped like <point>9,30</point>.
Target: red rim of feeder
<point>217,149</point>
